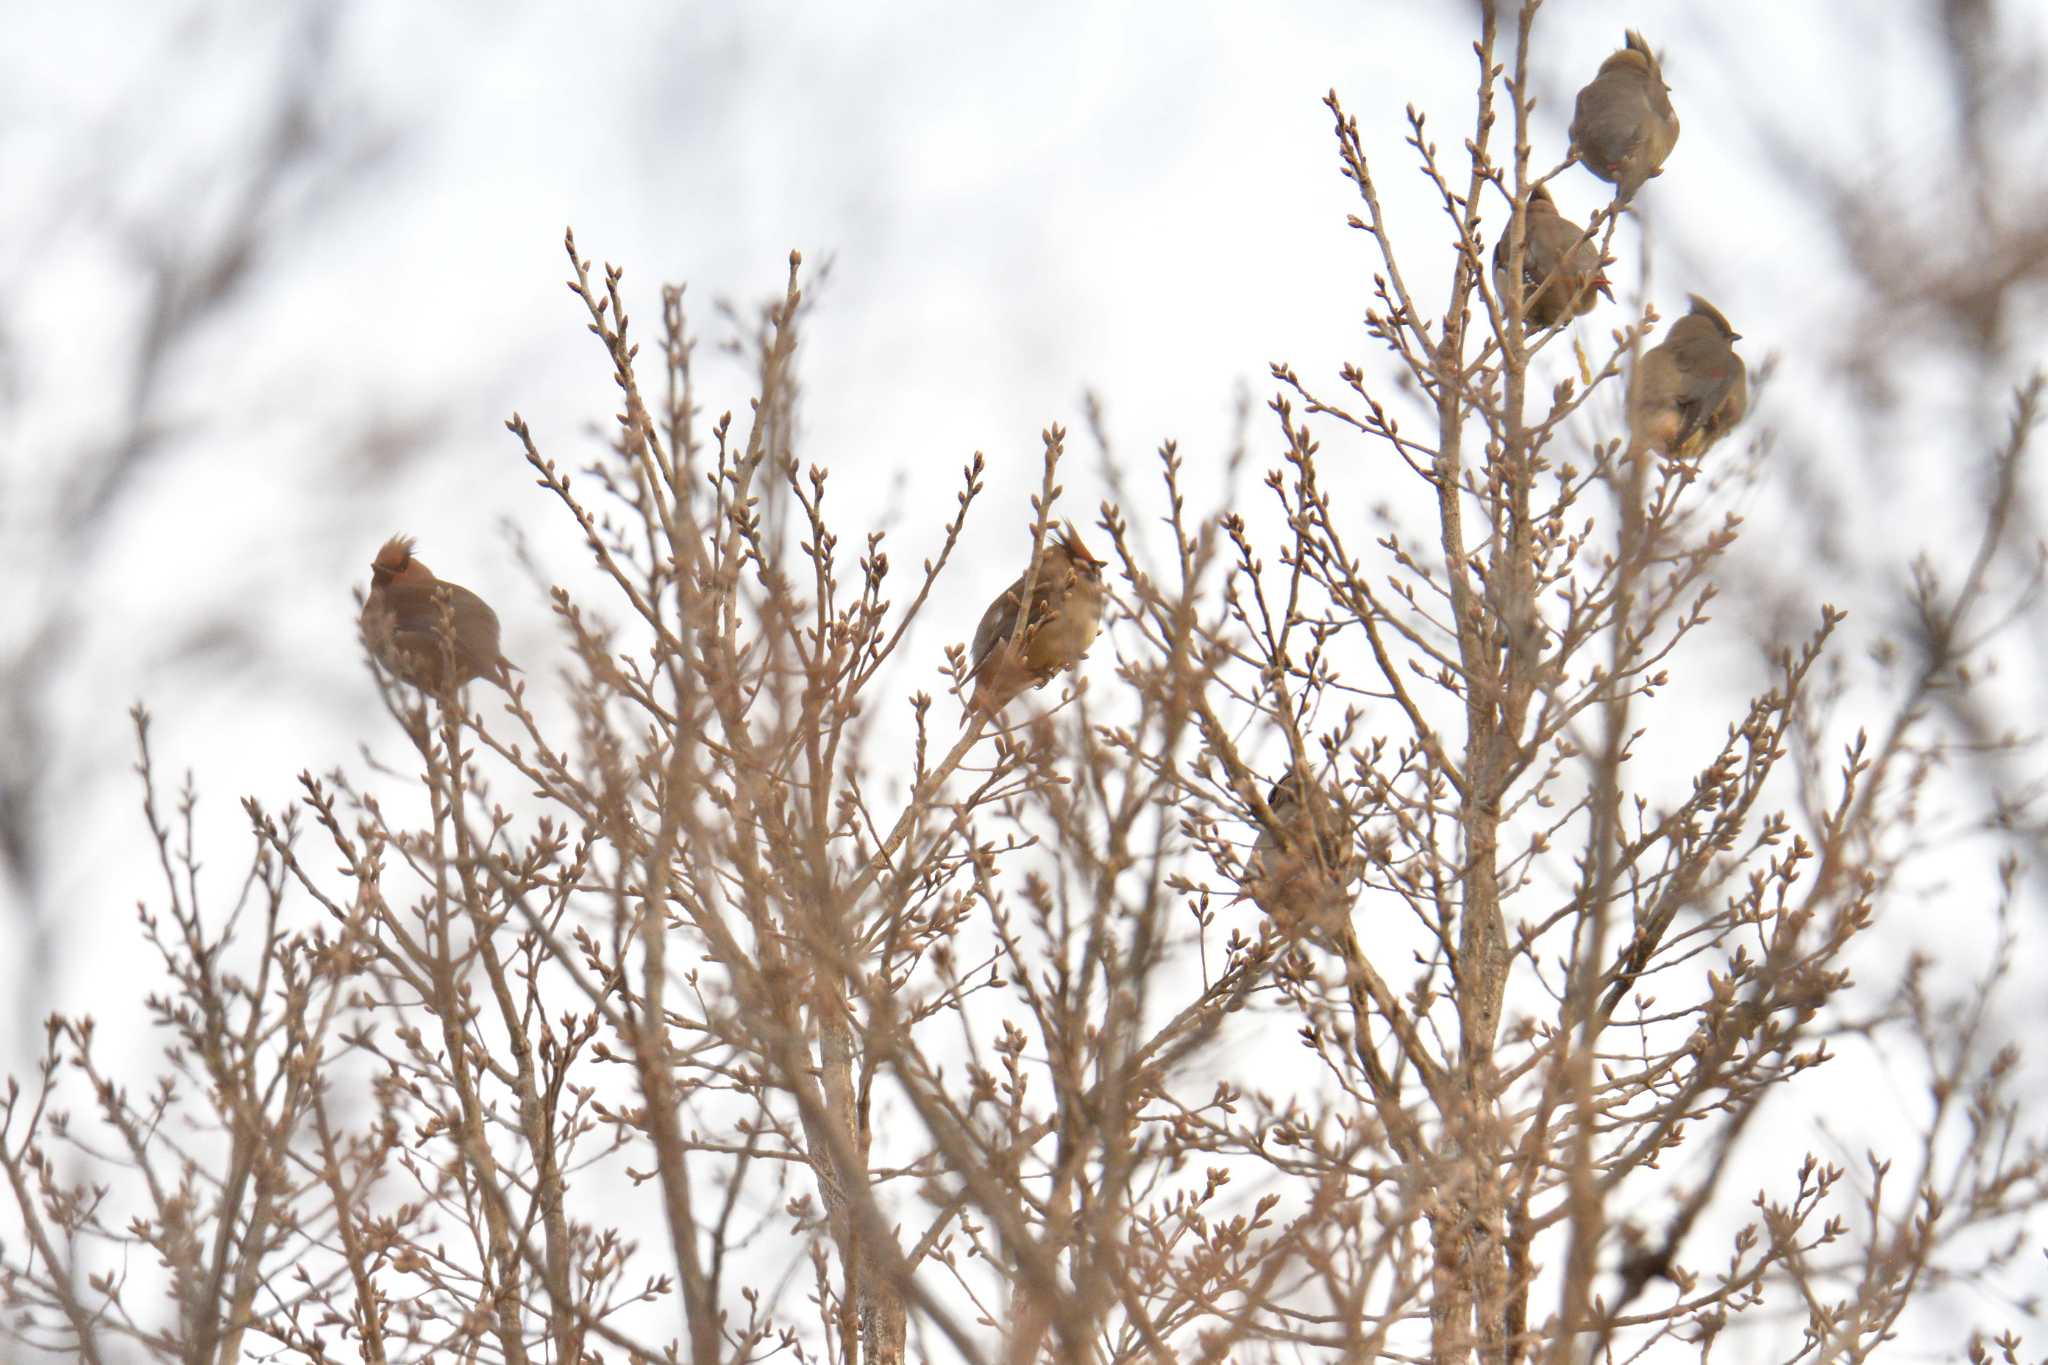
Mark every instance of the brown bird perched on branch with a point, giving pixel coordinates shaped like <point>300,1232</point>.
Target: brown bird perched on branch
<point>1623,125</point>
<point>1688,390</point>
<point>403,622</point>
<point>1301,869</point>
<point>1067,596</point>
<point>1561,266</point>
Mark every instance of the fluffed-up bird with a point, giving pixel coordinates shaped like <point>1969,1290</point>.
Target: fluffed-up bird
<point>1623,125</point>
<point>1301,868</point>
<point>1562,274</point>
<point>403,622</point>
<point>1689,389</point>
<point>1067,596</point>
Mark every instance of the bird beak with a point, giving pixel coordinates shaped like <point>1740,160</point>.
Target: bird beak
<point>1600,285</point>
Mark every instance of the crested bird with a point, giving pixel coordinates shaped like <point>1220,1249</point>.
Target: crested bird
<point>1562,272</point>
<point>406,621</point>
<point>1301,868</point>
<point>1623,125</point>
<point>1067,596</point>
<point>1689,389</point>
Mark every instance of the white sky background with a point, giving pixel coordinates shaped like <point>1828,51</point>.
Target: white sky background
<point>1018,206</point>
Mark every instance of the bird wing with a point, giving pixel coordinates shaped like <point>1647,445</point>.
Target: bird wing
<point>1608,119</point>
<point>415,614</point>
<point>1538,253</point>
<point>998,623</point>
<point>1709,375</point>
<point>414,609</point>
<point>1566,246</point>
<point>476,631</point>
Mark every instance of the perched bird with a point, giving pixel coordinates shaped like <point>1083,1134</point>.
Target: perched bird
<point>1623,125</point>
<point>1066,612</point>
<point>1301,869</point>
<point>1688,390</point>
<point>403,619</point>
<point>1561,267</point>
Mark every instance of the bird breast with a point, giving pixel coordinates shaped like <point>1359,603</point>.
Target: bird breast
<point>1070,625</point>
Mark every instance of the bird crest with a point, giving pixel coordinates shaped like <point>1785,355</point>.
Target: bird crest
<point>1713,315</point>
<point>1070,540</point>
<point>394,557</point>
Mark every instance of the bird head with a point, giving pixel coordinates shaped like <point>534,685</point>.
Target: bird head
<point>1638,49</point>
<point>1306,815</point>
<point>1285,795</point>
<point>1068,542</point>
<point>1701,308</point>
<point>395,564</point>
<point>1634,55</point>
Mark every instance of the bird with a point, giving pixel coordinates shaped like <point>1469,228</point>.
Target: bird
<point>1561,267</point>
<point>1623,125</point>
<point>1689,389</point>
<point>404,618</point>
<point>1302,866</point>
<point>1067,596</point>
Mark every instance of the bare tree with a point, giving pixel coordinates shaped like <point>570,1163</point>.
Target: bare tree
<point>1368,959</point>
